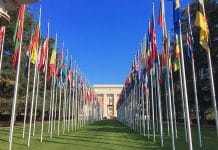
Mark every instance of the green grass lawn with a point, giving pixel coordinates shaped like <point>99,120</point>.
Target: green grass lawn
<point>103,135</point>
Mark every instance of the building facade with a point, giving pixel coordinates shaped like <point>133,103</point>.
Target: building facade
<point>107,96</point>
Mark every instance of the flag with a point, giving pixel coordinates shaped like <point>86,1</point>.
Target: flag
<point>2,34</point>
<point>28,51</point>
<point>35,46</point>
<point>177,17</point>
<point>64,69</point>
<point>53,60</point>
<point>153,39</point>
<point>35,42</point>
<point>161,17</point>
<point>189,38</point>
<point>176,53</point>
<point>201,21</point>
<point>18,34</point>
<point>43,55</point>
<point>148,49</point>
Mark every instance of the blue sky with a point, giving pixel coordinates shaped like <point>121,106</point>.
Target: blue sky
<point>102,35</point>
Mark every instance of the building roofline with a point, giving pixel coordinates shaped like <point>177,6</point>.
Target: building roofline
<point>107,86</point>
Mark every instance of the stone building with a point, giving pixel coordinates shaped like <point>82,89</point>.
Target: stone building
<point>108,95</point>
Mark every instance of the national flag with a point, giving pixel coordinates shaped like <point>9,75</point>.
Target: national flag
<point>201,21</point>
<point>18,34</point>
<point>65,69</point>
<point>161,14</point>
<point>53,60</point>
<point>153,38</point>
<point>177,17</point>
<point>176,53</point>
<point>189,38</point>
<point>27,58</point>
<point>43,55</point>
<point>148,49</point>
<point>35,46</point>
<point>35,42</point>
<point>2,34</point>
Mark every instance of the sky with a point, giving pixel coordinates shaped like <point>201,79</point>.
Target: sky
<point>102,35</point>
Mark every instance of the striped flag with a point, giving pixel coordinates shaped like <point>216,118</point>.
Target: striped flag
<point>18,34</point>
<point>189,39</point>
<point>43,55</point>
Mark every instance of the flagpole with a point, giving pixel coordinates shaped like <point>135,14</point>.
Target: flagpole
<point>36,102</point>
<point>195,87</point>
<point>33,96</point>
<point>16,89</point>
<point>167,108</point>
<point>147,110</point>
<point>52,103</point>
<point>27,92</point>
<point>73,99</point>
<point>2,48</point>
<point>56,100</point>
<point>69,101</point>
<point>183,103</point>
<point>173,102</point>
<point>45,85</point>
<point>60,91</point>
<point>169,95</point>
<point>152,104</point>
<point>143,109</point>
<point>76,107</point>
<point>185,89</point>
<point>159,106</point>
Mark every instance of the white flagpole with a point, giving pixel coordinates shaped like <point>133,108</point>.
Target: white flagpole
<point>52,104</point>
<point>70,98</point>
<point>167,109</point>
<point>45,86</point>
<point>27,93</point>
<point>15,90</point>
<point>33,97</point>
<point>60,99</point>
<point>147,111</point>
<point>152,105</point>
<point>76,100</point>
<point>143,109</point>
<point>159,106</point>
<point>169,96</point>
<point>173,103</point>
<point>55,107</point>
<point>73,101</point>
<point>2,47</point>
<point>185,89</point>
<point>36,102</point>
<point>195,89</point>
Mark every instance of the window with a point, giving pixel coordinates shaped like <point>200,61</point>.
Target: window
<point>110,100</point>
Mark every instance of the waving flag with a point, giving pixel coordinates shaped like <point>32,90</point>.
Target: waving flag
<point>177,17</point>
<point>53,59</point>
<point>27,58</point>
<point>189,38</point>
<point>43,55</point>
<point>201,21</point>
<point>18,34</point>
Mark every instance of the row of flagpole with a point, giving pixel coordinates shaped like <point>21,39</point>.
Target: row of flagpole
<point>140,105</point>
<point>72,102</point>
